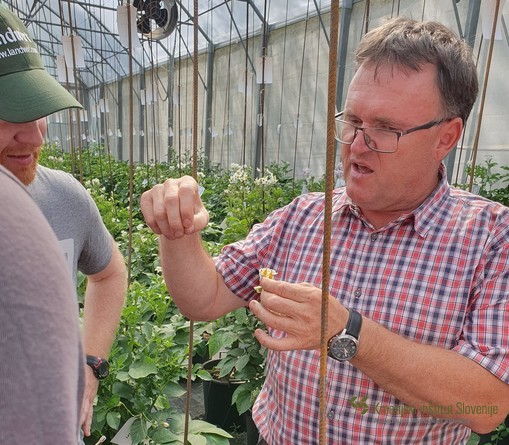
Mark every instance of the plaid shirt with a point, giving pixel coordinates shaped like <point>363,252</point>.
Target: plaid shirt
<point>439,276</point>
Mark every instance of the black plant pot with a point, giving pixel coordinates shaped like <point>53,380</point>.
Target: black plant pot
<point>217,398</point>
<point>485,439</point>
<point>251,431</point>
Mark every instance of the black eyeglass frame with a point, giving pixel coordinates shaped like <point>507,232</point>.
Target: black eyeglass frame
<point>399,134</point>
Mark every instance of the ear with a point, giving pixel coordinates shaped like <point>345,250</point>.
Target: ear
<point>449,134</point>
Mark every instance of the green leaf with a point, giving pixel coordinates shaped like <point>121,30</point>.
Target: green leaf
<point>226,367</point>
<point>242,399</point>
<point>141,369</point>
<point>202,427</point>
<point>147,330</point>
<point>122,376</point>
<point>217,440</point>
<point>196,439</point>
<point>161,402</point>
<point>160,416</point>
<point>221,339</point>
<point>164,435</point>
<point>123,390</point>
<point>113,420</point>
<point>204,375</point>
<point>242,362</point>
<point>173,390</point>
<point>138,431</point>
<point>241,315</point>
<point>177,423</point>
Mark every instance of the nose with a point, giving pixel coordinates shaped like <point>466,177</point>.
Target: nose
<point>29,133</point>
<point>359,141</point>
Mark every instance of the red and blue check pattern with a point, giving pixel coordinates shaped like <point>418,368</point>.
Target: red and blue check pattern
<point>438,276</point>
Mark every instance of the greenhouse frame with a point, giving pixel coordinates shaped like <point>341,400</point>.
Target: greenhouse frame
<point>139,97</point>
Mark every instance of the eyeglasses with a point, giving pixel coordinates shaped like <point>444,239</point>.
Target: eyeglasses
<point>377,139</point>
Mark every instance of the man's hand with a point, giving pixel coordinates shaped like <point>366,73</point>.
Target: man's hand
<point>295,309</point>
<point>87,408</point>
<point>174,208</point>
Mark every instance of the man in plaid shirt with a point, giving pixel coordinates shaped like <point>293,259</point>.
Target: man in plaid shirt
<point>418,308</point>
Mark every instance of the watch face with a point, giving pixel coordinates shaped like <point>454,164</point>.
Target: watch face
<point>103,369</point>
<point>343,347</point>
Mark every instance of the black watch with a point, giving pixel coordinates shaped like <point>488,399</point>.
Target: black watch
<point>344,345</point>
<point>99,365</point>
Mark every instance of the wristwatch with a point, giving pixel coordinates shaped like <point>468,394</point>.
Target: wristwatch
<point>99,365</point>
<point>344,345</point>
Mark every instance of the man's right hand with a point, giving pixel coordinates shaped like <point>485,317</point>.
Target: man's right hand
<point>174,208</point>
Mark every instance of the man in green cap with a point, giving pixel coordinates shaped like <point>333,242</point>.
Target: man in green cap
<point>27,91</point>
<point>27,95</point>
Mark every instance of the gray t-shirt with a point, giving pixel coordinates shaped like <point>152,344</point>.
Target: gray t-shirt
<point>42,366</point>
<point>73,215</point>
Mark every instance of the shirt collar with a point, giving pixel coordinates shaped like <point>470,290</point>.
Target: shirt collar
<point>434,207</point>
<point>424,217</point>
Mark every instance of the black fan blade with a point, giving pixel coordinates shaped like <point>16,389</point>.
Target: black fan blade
<point>151,7</point>
<point>138,4</point>
<point>143,25</point>
<point>161,18</point>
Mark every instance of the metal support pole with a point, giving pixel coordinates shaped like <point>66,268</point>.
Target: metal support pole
<point>208,103</point>
<point>471,24</point>
<point>141,120</point>
<point>170,89</point>
<point>345,16</point>
<point>120,107</point>
<point>260,111</point>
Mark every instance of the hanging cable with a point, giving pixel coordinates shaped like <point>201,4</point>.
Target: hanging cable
<point>226,113</point>
<point>68,86</point>
<point>244,125</point>
<point>179,113</point>
<point>464,135</point>
<point>366,16</point>
<point>145,104</point>
<point>131,144</point>
<point>155,113</point>
<point>483,97</point>
<point>78,113</point>
<point>261,122</point>
<point>315,102</point>
<point>282,85</point>
<point>297,119</point>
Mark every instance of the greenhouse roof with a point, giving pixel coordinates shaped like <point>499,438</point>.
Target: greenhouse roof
<point>101,42</point>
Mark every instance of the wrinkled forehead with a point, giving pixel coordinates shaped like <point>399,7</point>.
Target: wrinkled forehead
<point>389,91</point>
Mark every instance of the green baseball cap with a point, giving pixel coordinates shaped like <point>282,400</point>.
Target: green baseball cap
<point>27,91</point>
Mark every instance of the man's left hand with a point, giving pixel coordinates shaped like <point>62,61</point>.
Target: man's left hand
<point>87,408</point>
<point>295,309</point>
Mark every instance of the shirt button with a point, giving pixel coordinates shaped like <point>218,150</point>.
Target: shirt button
<point>374,236</point>
<point>330,414</point>
<point>357,293</point>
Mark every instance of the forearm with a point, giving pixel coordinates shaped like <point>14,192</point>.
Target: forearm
<point>192,280</point>
<point>104,301</point>
<point>435,381</point>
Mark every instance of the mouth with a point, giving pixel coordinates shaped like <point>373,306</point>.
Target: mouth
<point>361,169</point>
<point>24,159</point>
